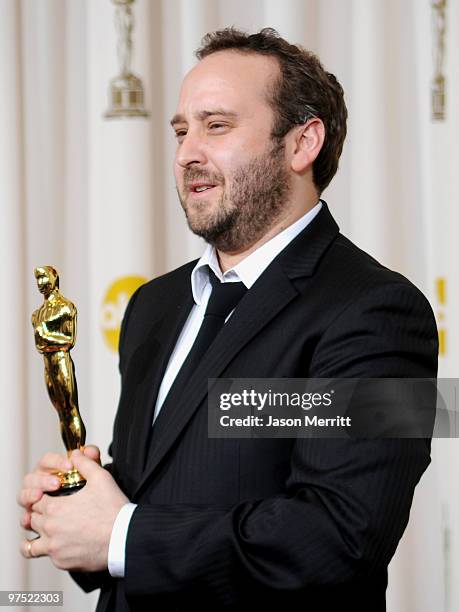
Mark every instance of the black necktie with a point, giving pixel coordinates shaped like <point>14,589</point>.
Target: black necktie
<point>223,299</point>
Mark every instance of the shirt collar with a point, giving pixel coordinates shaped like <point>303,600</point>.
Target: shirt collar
<point>249,269</point>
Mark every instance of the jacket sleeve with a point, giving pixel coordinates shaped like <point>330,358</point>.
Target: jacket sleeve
<point>346,501</point>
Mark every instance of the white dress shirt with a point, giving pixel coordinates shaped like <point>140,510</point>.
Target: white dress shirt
<point>247,271</point>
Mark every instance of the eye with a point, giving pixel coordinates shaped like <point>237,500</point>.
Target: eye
<point>216,125</point>
<point>180,135</point>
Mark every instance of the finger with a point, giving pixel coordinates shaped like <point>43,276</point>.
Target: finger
<point>31,480</point>
<point>32,549</point>
<point>36,523</point>
<point>87,467</point>
<point>92,452</point>
<point>27,497</point>
<point>25,520</point>
<point>41,505</point>
<point>25,549</point>
<point>43,481</point>
<point>53,462</point>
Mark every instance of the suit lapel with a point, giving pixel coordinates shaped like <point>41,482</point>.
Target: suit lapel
<point>267,297</point>
<point>271,293</point>
<point>158,348</point>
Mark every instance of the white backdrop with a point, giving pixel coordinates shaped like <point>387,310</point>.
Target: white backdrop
<point>96,198</point>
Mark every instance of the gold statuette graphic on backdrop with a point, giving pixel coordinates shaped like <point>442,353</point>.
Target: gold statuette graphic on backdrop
<point>54,326</point>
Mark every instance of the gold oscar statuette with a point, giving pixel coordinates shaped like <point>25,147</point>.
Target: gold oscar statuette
<point>54,326</point>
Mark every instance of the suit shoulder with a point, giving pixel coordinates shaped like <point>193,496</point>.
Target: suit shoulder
<point>362,278</point>
<point>355,263</point>
<point>379,322</point>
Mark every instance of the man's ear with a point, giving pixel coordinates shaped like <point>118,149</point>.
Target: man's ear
<point>308,140</point>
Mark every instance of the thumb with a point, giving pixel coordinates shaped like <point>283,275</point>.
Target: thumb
<point>86,466</point>
<point>92,452</point>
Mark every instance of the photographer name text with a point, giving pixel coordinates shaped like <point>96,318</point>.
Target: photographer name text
<point>270,421</point>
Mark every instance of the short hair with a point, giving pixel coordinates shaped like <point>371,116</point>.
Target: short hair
<point>304,90</point>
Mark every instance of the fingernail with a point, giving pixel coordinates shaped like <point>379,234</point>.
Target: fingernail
<point>54,482</point>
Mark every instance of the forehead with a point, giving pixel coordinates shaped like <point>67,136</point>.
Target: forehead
<point>229,79</point>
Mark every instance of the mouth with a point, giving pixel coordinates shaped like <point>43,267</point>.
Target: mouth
<point>198,190</point>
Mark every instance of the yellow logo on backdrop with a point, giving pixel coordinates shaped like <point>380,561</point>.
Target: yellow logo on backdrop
<point>114,304</point>
<point>440,285</point>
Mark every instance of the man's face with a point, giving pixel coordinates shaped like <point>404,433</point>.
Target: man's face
<point>231,177</point>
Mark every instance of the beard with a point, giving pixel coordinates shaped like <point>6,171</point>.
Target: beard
<point>255,199</point>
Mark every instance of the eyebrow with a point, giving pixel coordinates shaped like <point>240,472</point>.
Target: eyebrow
<point>201,115</point>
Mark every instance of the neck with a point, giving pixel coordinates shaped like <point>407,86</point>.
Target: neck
<point>52,295</point>
<point>229,259</point>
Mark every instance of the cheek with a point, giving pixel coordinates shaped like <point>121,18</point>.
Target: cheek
<point>178,173</point>
<point>235,154</point>
<point>228,162</point>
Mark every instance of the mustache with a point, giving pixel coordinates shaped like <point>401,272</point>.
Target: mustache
<point>192,175</point>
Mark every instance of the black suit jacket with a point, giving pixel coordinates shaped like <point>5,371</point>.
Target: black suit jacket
<point>233,524</point>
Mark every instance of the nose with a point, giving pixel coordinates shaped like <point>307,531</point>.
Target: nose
<point>191,151</point>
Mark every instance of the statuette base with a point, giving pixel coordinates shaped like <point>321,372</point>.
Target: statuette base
<point>71,482</point>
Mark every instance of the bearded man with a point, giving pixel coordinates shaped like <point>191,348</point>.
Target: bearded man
<point>183,519</point>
